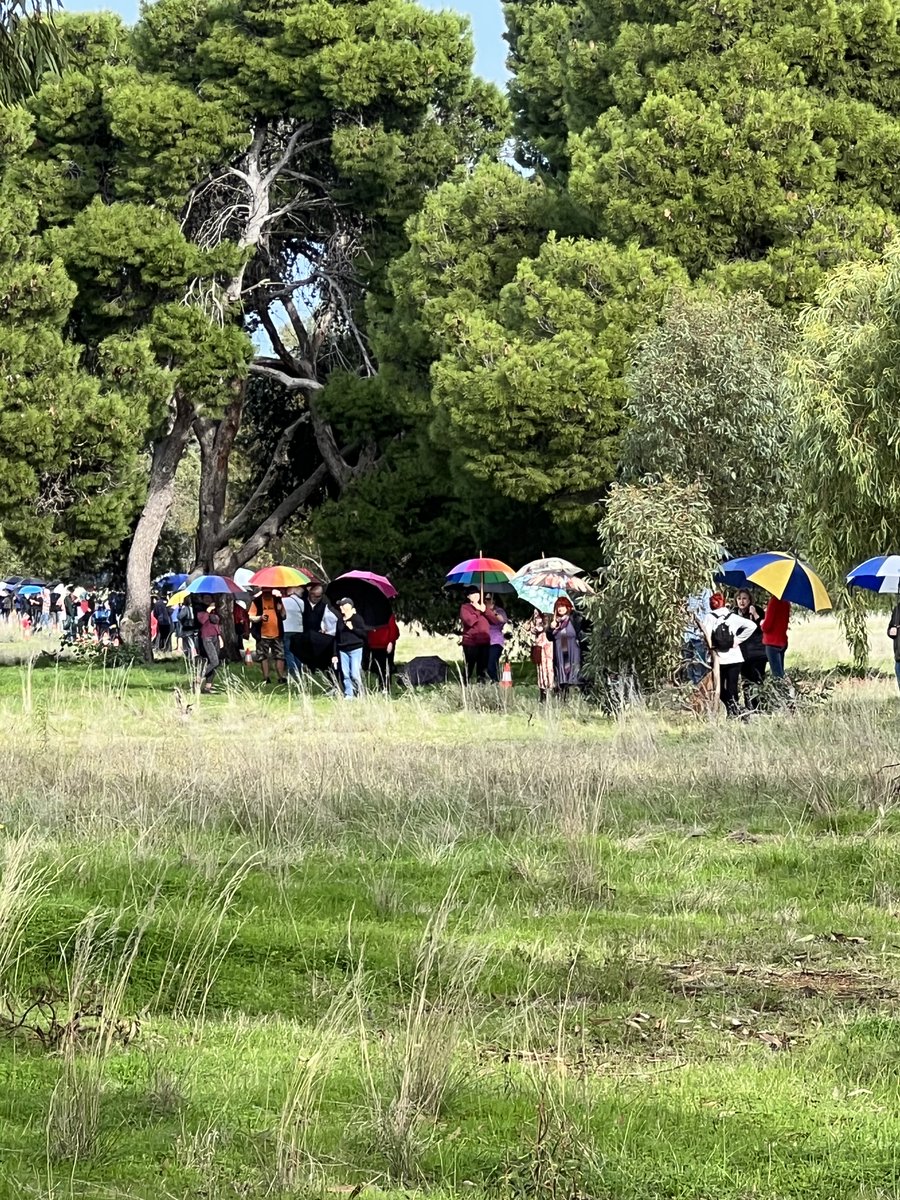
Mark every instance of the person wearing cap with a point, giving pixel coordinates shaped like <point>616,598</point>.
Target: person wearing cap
<point>726,632</point>
<point>477,620</point>
<point>350,638</point>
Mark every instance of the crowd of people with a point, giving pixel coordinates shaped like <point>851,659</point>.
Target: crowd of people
<point>737,644</point>
<point>296,631</point>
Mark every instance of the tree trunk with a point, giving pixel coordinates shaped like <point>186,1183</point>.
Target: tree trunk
<point>216,440</point>
<point>167,454</point>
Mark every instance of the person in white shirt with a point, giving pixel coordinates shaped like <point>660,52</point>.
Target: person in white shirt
<point>726,632</point>
<point>293,633</point>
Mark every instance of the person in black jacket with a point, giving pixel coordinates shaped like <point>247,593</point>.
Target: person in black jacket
<point>753,672</point>
<point>894,632</point>
<point>70,609</point>
<point>163,624</point>
<point>351,638</point>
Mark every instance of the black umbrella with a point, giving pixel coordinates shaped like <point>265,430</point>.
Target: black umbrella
<point>370,602</point>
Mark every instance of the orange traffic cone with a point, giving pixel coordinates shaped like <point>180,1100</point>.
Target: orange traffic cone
<point>506,677</point>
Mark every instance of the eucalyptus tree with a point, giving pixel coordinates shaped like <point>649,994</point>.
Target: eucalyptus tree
<point>845,391</point>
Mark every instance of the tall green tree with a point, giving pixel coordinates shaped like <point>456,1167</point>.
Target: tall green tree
<point>706,405</point>
<point>69,435</point>
<point>843,383</point>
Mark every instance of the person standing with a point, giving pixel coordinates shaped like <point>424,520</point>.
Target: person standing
<point>563,632</point>
<point>319,629</point>
<point>293,633</point>
<point>476,634</point>
<point>187,623</point>
<point>726,633</point>
<point>70,609</point>
<point>381,645</point>
<point>351,638</point>
<point>775,634</point>
<point>163,624</point>
<point>894,632</point>
<point>497,636</point>
<point>694,650</point>
<point>753,671</point>
<point>267,619</point>
<point>208,626</point>
<point>542,652</point>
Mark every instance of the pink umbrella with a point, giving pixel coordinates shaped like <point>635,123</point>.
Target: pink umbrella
<point>381,582</point>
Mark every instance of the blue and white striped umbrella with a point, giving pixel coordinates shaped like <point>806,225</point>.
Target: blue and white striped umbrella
<point>880,574</point>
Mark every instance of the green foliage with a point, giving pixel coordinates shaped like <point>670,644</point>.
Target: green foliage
<point>531,394</point>
<point>29,46</point>
<point>843,383</point>
<point>68,438</point>
<point>659,541</point>
<point>748,139</point>
<point>707,405</point>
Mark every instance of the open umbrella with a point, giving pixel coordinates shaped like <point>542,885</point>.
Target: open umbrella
<point>880,574</point>
<point>279,577</point>
<point>370,593</point>
<point>30,589</point>
<point>542,582</point>
<point>213,585</point>
<point>381,582</point>
<point>783,575</point>
<point>483,573</point>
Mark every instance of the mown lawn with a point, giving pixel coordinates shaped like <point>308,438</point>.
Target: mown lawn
<point>278,945</point>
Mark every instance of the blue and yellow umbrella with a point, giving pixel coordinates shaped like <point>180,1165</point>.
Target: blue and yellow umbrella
<point>782,575</point>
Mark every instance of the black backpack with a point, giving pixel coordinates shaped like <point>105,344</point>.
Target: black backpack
<point>722,636</point>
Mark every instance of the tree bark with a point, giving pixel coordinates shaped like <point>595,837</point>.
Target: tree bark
<point>167,454</point>
<point>216,440</point>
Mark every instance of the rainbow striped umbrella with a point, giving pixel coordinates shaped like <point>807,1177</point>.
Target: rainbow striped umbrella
<point>482,572</point>
<point>782,575</point>
<point>280,577</point>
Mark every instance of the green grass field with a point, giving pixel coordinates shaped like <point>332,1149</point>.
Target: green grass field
<point>446,946</point>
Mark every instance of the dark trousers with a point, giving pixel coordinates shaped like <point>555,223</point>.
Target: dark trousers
<point>730,678</point>
<point>380,664</point>
<point>753,672</point>
<point>476,662</point>
<point>163,637</point>
<point>211,654</point>
<point>775,655</point>
<point>495,653</point>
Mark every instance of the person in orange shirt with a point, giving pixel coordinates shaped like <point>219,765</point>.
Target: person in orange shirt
<point>266,616</point>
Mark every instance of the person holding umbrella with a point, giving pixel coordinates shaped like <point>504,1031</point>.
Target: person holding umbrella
<point>894,633</point>
<point>266,615</point>
<point>477,620</point>
<point>774,628</point>
<point>208,625</point>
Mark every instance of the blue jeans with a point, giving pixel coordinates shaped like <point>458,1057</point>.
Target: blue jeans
<point>897,670</point>
<point>775,655</point>
<point>292,663</point>
<point>351,671</point>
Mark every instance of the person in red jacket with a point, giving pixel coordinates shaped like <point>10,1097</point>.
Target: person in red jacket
<point>477,620</point>
<point>380,647</point>
<point>775,634</point>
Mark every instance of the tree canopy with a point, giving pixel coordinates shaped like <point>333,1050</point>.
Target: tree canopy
<point>706,405</point>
